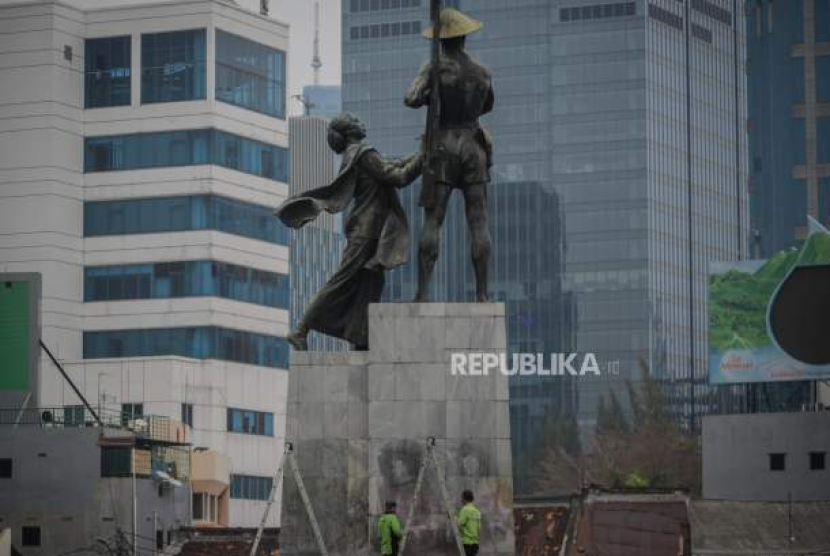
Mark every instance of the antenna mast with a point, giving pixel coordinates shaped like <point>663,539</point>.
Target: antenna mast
<point>316,64</point>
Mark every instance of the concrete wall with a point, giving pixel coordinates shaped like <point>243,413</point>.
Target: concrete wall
<point>359,422</point>
<point>56,484</point>
<point>736,452</point>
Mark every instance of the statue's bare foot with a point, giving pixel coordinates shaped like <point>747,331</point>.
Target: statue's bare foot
<point>482,298</point>
<point>421,298</point>
<point>298,341</point>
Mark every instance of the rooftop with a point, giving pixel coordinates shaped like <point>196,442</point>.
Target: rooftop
<point>727,527</point>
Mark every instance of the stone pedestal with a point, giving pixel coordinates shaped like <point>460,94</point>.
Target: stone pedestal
<point>359,422</point>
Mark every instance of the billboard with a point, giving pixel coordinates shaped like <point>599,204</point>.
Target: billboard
<point>768,318</point>
<point>19,336</point>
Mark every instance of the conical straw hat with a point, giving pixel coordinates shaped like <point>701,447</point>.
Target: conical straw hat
<point>454,24</point>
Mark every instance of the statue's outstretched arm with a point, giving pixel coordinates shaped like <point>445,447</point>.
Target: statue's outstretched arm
<point>418,94</point>
<point>393,173</point>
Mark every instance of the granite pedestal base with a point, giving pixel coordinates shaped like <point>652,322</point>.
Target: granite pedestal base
<point>359,422</point>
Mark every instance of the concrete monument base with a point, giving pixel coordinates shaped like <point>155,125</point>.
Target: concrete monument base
<point>359,422</point>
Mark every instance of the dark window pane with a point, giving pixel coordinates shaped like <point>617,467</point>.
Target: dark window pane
<point>173,66</point>
<point>115,462</point>
<point>249,74</point>
<point>107,71</point>
<point>5,468</point>
<point>777,462</point>
<point>30,535</point>
<point>197,342</point>
<point>198,501</point>
<point>817,461</point>
<point>182,148</point>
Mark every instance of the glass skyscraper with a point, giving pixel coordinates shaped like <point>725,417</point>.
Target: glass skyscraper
<point>626,121</point>
<point>789,117</point>
<point>789,140</point>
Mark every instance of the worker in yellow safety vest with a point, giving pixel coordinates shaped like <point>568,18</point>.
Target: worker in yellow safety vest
<point>469,523</point>
<point>389,530</point>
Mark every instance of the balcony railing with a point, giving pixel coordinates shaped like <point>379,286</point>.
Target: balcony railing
<point>154,428</point>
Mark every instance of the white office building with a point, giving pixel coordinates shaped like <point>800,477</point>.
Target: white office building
<point>143,147</point>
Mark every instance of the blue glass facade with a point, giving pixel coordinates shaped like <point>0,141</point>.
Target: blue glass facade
<point>250,75</point>
<point>789,141</point>
<point>185,279</point>
<point>251,157</point>
<point>185,148</point>
<point>177,214</point>
<point>173,66</point>
<point>147,150</point>
<point>247,487</point>
<point>107,72</point>
<point>315,256</point>
<point>200,342</point>
<point>246,421</point>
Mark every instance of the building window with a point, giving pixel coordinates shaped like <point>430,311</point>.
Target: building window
<point>777,462</point>
<point>115,462</point>
<point>665,16</point>
<point>74,415</point>
<point>251,157</point>
<point>250,75</point>
<point>205,342</point>
<point>5,468</point>
<point>701,33</point>
<point>247,487</point>
<point>107,71</point>
<point>817,461</point>
<point>147,150</point>
<point>185,148</point>
<point>198,506</point>
<point>250,422</point>
<point>176,214</point>
<point>130,412</point>
<point>597,11</point>
<point>385,30</point>
<point>712,10</point>
<point>187,414</point>
<point>30,535</point>
<point>205,507</point>
<point>186,279</point>
<point>173,66</point>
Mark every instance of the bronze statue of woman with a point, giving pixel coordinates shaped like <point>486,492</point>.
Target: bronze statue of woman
<point>376,232</point>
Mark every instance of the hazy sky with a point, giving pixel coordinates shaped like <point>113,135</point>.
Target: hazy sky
<point>299,14</point>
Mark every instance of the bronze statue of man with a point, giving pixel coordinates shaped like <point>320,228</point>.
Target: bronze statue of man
<point>460,150</point>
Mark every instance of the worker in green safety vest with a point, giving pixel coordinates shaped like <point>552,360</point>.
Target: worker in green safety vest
<point>389,530</point>
<point>469,523</point>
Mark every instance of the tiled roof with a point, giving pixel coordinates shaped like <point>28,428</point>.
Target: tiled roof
<point>628,525</point>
